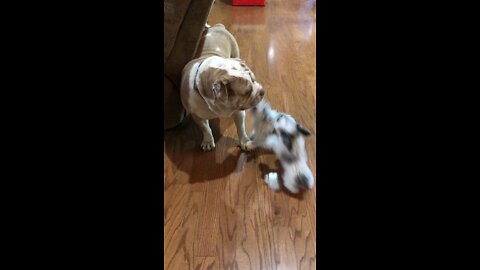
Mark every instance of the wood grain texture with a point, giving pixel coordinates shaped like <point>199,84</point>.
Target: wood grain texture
<point>218,212</point>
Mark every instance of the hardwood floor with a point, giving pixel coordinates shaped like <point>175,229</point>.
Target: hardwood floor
<point>218,212</point>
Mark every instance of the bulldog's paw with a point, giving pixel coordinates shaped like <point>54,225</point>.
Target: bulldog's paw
<point>208,145</point>
<point>253,134</point>
<point>247,145</point>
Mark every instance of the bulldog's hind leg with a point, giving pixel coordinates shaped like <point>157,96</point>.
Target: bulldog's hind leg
<point>207,140</point>
<point>239,119</point>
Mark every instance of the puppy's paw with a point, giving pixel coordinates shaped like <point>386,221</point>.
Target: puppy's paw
<point>272,181</point>
<point>208,145</point>
<point>292,187</point>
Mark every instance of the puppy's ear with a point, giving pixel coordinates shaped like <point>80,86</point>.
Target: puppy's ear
<point>302,130</point>
<point>287,140</point>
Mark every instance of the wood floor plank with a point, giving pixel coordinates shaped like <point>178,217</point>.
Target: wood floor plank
<point>244,239</point>
<point>181,215</point>
<point>207,230</point>
<point>206,263</point>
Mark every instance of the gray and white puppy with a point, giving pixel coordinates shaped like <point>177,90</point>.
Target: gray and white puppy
<point>283,135</point>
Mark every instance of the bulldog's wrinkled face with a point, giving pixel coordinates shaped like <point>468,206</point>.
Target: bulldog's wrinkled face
<point>232,85</point>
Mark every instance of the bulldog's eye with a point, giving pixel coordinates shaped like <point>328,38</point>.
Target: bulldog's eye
<point>251,76</point>
<point>249,90</point>
<point>230,90</point>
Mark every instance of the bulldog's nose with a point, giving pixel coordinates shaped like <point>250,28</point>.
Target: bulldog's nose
<point>261,93</point>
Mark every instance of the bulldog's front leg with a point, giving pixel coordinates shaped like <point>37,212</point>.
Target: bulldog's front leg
<point>207,141</point>
<point>239,119</point>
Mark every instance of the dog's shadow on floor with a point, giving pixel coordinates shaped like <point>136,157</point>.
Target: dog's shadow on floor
<point>182,148</point>
<point>191,164</point>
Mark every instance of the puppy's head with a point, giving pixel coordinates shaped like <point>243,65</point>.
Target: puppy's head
<point>281,124</point>
<point>232,85</point>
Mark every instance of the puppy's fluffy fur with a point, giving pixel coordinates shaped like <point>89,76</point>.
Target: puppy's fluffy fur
<point>280,133</point>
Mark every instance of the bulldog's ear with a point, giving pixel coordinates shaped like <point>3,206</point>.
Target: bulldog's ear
<point>209,92</point>
<point>216,88</point>
<point>302,130</point>
<point>213,82</point>
<point>220,90</point>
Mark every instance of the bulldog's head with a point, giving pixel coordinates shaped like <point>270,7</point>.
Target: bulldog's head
<point>231,85</point>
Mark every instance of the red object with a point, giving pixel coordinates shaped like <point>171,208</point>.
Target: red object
<point>248,2</point>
